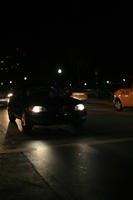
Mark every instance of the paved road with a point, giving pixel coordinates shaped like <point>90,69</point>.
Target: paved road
<point>64,163</point>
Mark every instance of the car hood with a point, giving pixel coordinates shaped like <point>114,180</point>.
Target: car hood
<point>55,102</point>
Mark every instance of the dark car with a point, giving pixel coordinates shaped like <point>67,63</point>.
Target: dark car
<point>45,106</point>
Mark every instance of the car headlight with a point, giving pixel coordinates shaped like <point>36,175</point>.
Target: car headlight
<point>10,95</point>
<point>37,109</point>
<point>79,107</point>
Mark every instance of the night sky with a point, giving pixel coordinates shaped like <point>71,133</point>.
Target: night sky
<point>95,37</point>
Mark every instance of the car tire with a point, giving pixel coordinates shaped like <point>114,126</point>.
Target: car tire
<point>118,105</point>
<point>25,122</point>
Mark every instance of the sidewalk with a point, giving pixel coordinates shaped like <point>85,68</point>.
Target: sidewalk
<point>19,180</point>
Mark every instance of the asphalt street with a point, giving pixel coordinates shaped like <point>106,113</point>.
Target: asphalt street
<point>64,162</point>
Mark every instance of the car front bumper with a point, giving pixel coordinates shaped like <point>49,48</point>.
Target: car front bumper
<point>56,118</point>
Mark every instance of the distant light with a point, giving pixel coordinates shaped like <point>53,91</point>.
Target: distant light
<point>85,84</point>
<point>124,79</point>
<point>70,84</point>
<point>10,82</point>
<point>96,73</point>
<point>107,82</point>
<point>1,69</point>
<point>17,64</point>
<point>10,95</point>
<point>2,61</point>
<point>25,78</point>
<point>2,83</point>
<point>59,71</point>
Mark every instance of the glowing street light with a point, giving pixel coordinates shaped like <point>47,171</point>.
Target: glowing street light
<point>124,79</point>
<point>25,78</point>
<point>59,71</point>
<point>10,82</point>
<point>85,84</point>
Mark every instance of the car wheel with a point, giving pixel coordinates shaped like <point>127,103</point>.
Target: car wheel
<point>118,105</point>
<point>25,122</point>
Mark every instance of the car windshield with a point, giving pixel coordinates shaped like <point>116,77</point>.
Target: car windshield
<point>47,93</point>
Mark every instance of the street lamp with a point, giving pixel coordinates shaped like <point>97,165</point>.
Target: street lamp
<point>85,84</point>
<point>59,71</point>
<point>25,78</point>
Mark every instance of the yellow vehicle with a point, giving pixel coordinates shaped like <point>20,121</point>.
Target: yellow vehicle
<point>123,98</point>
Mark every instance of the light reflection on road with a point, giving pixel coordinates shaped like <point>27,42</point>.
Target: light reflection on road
<point>42,149</point>
<point>13,138</point>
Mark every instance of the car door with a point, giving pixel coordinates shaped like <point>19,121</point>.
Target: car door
<point>130,97</point>
<point>127,97</point>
